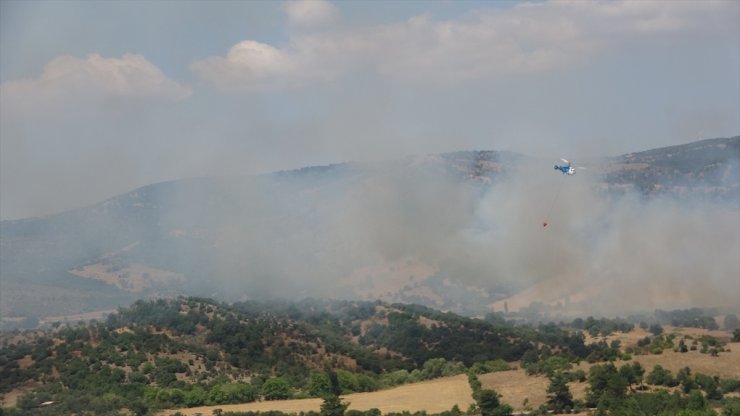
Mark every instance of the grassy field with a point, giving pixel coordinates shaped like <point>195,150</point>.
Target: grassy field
<point>517,389</point>
<point>726,365</point>
<point>433,396</point>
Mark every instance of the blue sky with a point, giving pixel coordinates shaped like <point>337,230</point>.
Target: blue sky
<point>97,98</point>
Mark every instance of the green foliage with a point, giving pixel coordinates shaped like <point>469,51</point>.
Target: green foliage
<point>607,387</point>
<point>661,377</point>
<point>710,385</point>
<point>694,317</point>
<point>549,366</point>
<point>318,384</point>
<point>190,352</point>
<point>729,385</point>
<point>603,326</point>
<point>632,373</point>
<point>656,329</point>
<point>276,388</point>
<point>696,401</point>
<point>439,367</point>
<point>333,406</point>
<point>559,397</point>
<point>489,404</point>
<point>474,382</point>
<point>227,393</point>
<point>731,407</point>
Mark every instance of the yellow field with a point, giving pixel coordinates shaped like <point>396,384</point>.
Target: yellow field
<point>727,364</point>
<point>517,389</point>
<point>433,396</point>
<point>521,391</point>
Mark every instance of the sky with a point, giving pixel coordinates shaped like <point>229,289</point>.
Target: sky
<point>99,98</point>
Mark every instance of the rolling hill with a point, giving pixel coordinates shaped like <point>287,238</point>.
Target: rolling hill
<point>187,353</point>
<point>406,230</point>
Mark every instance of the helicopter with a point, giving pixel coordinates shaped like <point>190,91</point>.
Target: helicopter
<point>568,169</point>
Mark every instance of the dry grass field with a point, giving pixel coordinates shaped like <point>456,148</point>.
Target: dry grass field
<point>727,364</point>
<point>433,396</point>
<point>517,389</point>
<point>521,391</point>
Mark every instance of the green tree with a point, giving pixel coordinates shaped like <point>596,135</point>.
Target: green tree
<point>559,398</point>
<point>661,377</point>
<point>607,388</point>
<point>732,408</point>
<point>318,384</point>
<point>276,388</point>
<point>632,373</point>
<point>333,406</point>
<point>489,404</point>
<point>696,401</point>
<point>656,329</point>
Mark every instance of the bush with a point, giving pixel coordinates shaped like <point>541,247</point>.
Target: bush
<point>276,388</point>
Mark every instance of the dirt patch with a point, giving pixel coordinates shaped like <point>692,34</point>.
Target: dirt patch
<point>432,396</point>
<point>10,399</point>
<point>25,362</point>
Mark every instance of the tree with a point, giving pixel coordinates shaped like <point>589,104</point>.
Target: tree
<point>731,322</point>
<point>696,401</point>
<point>489,404</point>
<point>559,398</point>
<point>656,329</point>
<point>632,373</point>
<point>333,406</point>
<point>276,388</point>
<point>318,385</point>
<point>661,377</point>
<point>607,386</point>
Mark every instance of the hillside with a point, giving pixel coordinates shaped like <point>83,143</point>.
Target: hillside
<point>707,167</point>
<point>402,231</point>
<point>194,352</point>
<point>193,347</point>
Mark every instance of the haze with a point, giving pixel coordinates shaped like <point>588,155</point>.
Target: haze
<point>100,98</point>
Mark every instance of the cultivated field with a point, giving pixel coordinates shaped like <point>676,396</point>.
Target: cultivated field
<point>521,391</point>
<point>433,396</point>
<point>727,364</point>
<point>517,389</point>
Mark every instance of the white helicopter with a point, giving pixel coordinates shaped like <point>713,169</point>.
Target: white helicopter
<point>568,169</point>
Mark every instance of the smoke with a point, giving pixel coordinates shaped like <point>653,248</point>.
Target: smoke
<point>607,253</point>
<point>367,230</point>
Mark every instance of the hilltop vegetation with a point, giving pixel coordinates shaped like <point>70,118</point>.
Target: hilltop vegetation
<point>192,352</point>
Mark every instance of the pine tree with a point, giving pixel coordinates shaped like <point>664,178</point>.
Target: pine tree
<point>333,406</point>
<point>559,397</point>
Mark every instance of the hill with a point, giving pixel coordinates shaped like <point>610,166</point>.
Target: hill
<point>420,229</point>
<point>194,352</point>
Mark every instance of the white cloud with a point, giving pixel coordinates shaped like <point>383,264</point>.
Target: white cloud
<point>528,38</point>
<point>251,64</point>
<point>307,13</point>
<point>68,77</point>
